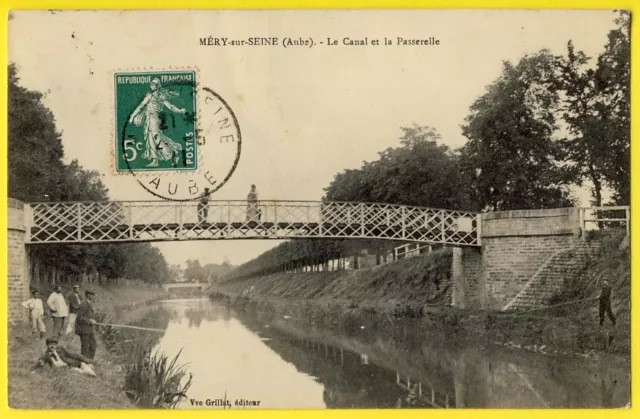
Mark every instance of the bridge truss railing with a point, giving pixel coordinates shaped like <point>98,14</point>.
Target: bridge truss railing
<point>605,217</point>
<point>113,221</point>
<point>409,250</point>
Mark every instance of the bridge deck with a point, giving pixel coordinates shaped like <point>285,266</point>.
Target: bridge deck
<point>214,231</point>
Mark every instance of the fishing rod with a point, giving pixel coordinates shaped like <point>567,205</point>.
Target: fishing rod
<point>131,327</point>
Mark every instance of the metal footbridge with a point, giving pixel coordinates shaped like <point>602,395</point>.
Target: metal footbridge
<point>154,221</point>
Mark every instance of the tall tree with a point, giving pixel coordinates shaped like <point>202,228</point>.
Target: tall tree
<point>613,79</point>
<point>510,159</point>
<point>176,273</point>
<point>35,167</point>
<point>596,111</point>
<point>194,271</point>
<point>585,144</point>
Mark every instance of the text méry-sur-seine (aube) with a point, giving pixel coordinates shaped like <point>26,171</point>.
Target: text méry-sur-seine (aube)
<point>310,42</point>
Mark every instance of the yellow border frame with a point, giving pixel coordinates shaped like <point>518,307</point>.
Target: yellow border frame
<point>322,4</point>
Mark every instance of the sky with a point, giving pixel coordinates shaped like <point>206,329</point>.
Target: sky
<point>305,113</point>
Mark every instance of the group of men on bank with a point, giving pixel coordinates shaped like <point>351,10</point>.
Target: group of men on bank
<point>78,314</point>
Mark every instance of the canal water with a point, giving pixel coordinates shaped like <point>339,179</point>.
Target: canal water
<point>239,361</point>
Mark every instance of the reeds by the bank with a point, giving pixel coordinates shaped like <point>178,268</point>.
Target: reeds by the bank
<point>152,380</point>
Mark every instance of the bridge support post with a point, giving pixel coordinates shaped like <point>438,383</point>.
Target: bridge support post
<point>468,280</point>
<point>18,262</point>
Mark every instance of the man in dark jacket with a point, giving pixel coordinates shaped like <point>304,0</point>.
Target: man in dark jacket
<point>58,357</point>
<point>605,303</point>
<point>75,300</point>
<point>84,326</point>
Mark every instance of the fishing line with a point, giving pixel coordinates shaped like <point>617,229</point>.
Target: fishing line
<point>131,327</point>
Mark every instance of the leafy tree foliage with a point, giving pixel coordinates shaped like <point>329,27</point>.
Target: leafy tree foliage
<point>613,75</point>
<point>510,159</point>
<point>35,167</point>
<point>176,273</point>
<point>37,173</point>
<point>596,110</point>
<point>211,272</point>
<point>420,172</point>
<point>194,271</point>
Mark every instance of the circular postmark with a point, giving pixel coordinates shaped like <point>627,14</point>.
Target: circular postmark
<point>176,138</point>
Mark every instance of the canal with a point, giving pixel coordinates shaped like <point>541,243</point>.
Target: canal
<point>239,361</point>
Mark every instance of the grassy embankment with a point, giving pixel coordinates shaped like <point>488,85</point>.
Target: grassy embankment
<point>49,389</point>
<point>410,295</point>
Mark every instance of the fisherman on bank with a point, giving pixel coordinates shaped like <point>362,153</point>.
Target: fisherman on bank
<point>605,303</point>
<point>58,357</point>
<point>59,309</point>
<point>75,300</point>
<point>85,322</point>
<point>36,314</point>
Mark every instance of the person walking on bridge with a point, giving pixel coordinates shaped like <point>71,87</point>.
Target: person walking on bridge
<point>605,303</point>
<point>85,326</point>
<point>253,214</point>
<point>59,309</point>
<point>203,206</point>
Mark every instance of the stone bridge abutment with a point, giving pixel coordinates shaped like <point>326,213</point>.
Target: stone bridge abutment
<point>514,246</point>
<point>17,262</point>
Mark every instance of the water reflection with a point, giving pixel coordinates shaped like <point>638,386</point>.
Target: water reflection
<point>240,357</point>
<point>349,378</point>
<point>228,360</point>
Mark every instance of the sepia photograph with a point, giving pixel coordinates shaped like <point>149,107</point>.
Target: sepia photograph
<point>327,209</point>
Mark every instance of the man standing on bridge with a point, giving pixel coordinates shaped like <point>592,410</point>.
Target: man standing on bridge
<point>203,206</point>
<point>253,213</point>
<point>605,303</point>
<point>84,326</point>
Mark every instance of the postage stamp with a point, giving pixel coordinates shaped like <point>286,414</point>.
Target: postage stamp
<point>155,112</point>
<point>176,137</point>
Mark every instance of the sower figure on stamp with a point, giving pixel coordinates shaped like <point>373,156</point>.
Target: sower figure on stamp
<point>85,326</point>
<point>605,303</point>
<point>159,146</point>
<point>203,206</point>
<point>59,309</point>
<point>253,213</point>
<point>75,300</point>
<point>36,314</point>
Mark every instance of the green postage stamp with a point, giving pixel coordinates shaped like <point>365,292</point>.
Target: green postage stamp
<point>155,115</point>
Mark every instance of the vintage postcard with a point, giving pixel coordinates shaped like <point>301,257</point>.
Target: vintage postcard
<point>391,209</point>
